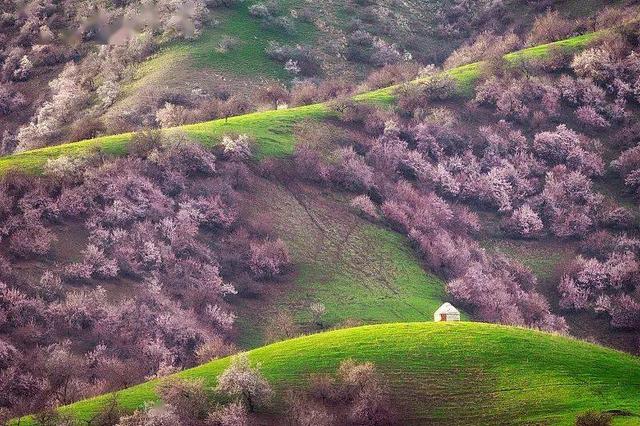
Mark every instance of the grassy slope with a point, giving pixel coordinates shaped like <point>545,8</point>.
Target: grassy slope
<point>246,59</point>
<point>448,373</point>
<point>271,129</point>
<point>359,271</point>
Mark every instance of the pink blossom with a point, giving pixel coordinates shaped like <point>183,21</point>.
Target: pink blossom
<point>525,222</point>
<point>589,116</point>
<point>269,258</point>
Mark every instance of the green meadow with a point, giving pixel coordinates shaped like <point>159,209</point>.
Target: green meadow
<point>445,373</point>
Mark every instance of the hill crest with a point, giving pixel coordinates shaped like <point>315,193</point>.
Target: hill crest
<point>465,373</point>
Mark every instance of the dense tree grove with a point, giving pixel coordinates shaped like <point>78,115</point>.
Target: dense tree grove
<point>405,181</point>
<point>604,278</point>
<point>536,172</point>
<point>553,190</point>
<point>145,219</point>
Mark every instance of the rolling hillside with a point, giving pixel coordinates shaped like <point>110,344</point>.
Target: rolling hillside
<point>273,130</point>
<point>404,292</point>
<point>232,52</point>
<point>324,29</point>
<point>180,66</point>
<point>361,272</point>
<point>326,238</point>
<point>447,373</point>
<point>508,186</point>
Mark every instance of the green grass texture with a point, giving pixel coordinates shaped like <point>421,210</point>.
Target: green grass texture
<point>444,373</point>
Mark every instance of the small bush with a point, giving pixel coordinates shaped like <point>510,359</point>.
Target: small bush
<point>352,172</point>
<point>524,222</point>
<point>238,148</point>
<point>171,115</point>
<point>363,205</point>
<point>227,43</point>
<point>351,111</point>
<point>144,143</point>
<point>87,128</point>
<point>234,414</point>
<point>304,412</point>
<point>273,94</point>
<point>366,392</point>
<point>244,381</point>
<point>305,60</point>
<point>263,10</point>
<point>360,46</point>
<point>594,418</point>
<point>188,399</point>
<point>10,100</point>
<point>305,93</point>
<point>484,46</point>
<point>550,27</point>
<point>30,241</point>
<point>269,258</point>
<point>439,87</point>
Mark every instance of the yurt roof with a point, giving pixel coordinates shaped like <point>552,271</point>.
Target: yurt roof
<point>447,308</point>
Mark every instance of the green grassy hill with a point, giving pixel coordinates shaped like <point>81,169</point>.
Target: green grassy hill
<point>447,373</point>
<point>273,130</point>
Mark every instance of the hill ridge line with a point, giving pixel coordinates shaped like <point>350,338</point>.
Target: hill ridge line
<point>551,361</point>
<point>271,128</point>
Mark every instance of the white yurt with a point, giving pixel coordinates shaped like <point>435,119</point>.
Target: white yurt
<point>446,312</point>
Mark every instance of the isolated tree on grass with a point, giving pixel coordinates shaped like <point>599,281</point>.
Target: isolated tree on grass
<point>318,311</point>
<point>282,326</point>
<point>273,94</point>
<point>235,105</point>
<point>244,381</point>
